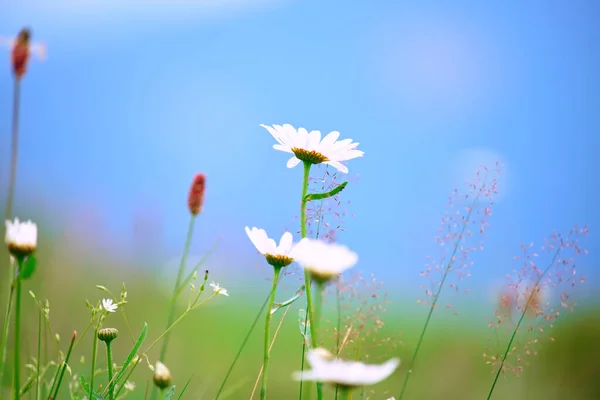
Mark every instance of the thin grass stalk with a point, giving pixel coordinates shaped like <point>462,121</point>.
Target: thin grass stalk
<point>436,297</point>
<point>39,355</point>
<point>237,356</point>
<point>267,336</point>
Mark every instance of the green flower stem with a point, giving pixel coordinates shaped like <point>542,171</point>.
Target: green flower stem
<point>307,281</point>
<point>94,351</point>
<point>267,339</point>
<point>39,355</point>
<point>436,297</point>
<point>9,303</point>
<point>109,362</point>
<point>237,356</point>
<point>339,323</point>
<point>186,250</point>
<point>17,358</point>
<point>316,313</point>
<point>514,333</point>
<point>345,392</point>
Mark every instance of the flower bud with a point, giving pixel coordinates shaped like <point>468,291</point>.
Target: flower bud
<point>20,53</point>
<point>196,195</point>
<point>162,376</point>
<point>107,335</point>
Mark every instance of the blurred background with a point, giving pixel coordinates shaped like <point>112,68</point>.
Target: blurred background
<point>135,97</point>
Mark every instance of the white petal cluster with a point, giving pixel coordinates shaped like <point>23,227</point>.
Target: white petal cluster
<point>324,260</point>
<point>265,245</point>
<point>330,149</point>
<point>218,289</point>
<point>21,237</point>
<point>109,306</point>
<point>331,370</point>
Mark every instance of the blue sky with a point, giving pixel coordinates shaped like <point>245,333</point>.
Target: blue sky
<point>134,99</point>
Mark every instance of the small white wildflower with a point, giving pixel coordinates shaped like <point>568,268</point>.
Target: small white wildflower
<point>108,305</point>
<point>323,260</point>
<point>129,386</point>
<point>21,237</point>
<point>218,289</point>
<point>344,373</point>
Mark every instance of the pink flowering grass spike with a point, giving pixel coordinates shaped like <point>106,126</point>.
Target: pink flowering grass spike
<point>356,305</point>
<point>535,295</point>
<point>462,232</point>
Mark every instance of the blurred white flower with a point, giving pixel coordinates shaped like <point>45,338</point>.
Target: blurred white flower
<point>334,371</point>
<point>108,305</point>
<point>218,289</point>
<point>21,237</point>
<point>309,147</point>
<point>278,256</point>
<point>129,386</point>
<point>323,260</point>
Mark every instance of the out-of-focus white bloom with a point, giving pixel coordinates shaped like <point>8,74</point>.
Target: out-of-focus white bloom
<point>109,306</point>
<point>334,371</point>
<point>278,256</point>
<point>21,237</point>
<point>218,289</point>
<point>310,148</point>
<point>324,260</point>
<point>129,386</point>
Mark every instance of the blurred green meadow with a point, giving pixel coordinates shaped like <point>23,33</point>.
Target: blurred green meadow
<point>450,365</point>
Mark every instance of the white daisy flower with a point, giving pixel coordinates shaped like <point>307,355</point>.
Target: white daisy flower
<point>278,256</point>
<point>331,370</point>
<point>323,260</point>
<point>309,147</point>
<point>129,386</point>
<point>21,237</point>
<point>218,289</point>
<point>109,306</point>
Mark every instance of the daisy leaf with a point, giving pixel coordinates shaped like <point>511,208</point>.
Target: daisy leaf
<point>321,196</point>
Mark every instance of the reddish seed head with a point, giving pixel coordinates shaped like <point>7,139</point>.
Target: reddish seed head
<point>196,195</point>
<point>20,53</point>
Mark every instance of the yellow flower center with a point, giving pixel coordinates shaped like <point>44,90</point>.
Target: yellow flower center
<point>278,261</point>
<point>312,156</point>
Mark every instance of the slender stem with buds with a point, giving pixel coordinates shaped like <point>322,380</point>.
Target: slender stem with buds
<point>516,330</point>
<point>61,370</point>
<point>263,391</point>
<point>436,297</point>
<point>186,249</point>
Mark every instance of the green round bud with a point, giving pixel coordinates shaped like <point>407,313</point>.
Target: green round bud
<point>107,335</point>
<point>162,376</point>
